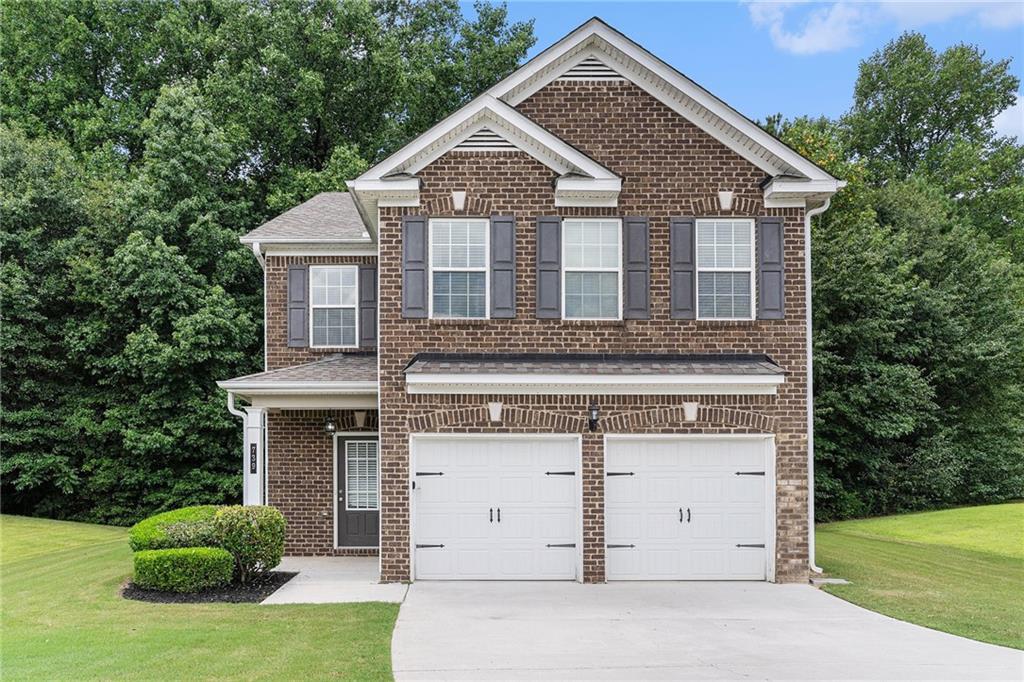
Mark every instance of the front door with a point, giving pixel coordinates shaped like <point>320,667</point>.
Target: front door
<point>358,492</point>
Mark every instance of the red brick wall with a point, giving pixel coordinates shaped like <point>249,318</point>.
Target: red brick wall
<point>278,353</point>
<point>669,167</point>
<point>300,477</point>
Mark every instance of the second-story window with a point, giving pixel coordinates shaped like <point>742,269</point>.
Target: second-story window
<point>333,298</point>
<point>725,269</point>
<point>592,269</point>
<point>458,267</point>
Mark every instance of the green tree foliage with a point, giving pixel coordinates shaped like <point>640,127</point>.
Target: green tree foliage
<point>140,139</point>
<point>918,288</point>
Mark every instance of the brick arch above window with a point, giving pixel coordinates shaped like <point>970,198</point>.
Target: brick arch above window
<point>445,206</point>
<point>741,206</point>
<point>628,422</point>
<point>511,416</point>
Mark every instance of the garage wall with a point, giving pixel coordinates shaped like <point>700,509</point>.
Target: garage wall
<point>669,168</point>
<point>300,477</point>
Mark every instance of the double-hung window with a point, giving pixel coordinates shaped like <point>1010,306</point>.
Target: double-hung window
<point>725,269</point>
<point>458,267</point>
<point>333,299</point>
<point>592,269</point>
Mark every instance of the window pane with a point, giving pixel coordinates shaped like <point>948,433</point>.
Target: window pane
<point>361,475</point>
<point>334,326</point>
<point>458,243</point>
<point>460,294</point>
<point>591,295</point>
<point>724,244</point>
<point>591,243</point>
<point>724,294</point>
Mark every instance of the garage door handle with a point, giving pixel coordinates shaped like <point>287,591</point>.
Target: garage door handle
<point>761,546</point>
<point>681,515</point>
<point>491,512</point>
<point>620,546</point>
<point>499,514</point>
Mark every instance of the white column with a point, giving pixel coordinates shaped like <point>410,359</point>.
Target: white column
<point>253,457</point>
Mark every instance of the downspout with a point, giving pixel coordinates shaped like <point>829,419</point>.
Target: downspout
<point>258,252</point>
<point>810,385</point>
<point>234,410</point>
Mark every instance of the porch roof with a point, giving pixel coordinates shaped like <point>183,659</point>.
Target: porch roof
<point>338,374</point>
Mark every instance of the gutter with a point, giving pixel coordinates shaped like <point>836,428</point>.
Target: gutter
<point>811,559</point>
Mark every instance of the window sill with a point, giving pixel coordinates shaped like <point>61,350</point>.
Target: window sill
<point>462,321</point>
<point>727,323</point>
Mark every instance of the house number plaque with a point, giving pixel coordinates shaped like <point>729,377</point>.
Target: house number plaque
<point>252,458</point>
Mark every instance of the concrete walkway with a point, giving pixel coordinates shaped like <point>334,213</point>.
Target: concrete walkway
<point>331,580</point>
<point>660,631</point>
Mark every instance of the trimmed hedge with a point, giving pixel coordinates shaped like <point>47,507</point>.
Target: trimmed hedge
<point>253,535</point>
<point>174,529</point>
<point>183,569</point>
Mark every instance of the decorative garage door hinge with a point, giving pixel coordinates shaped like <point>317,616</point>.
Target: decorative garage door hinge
<point>570,544</point>
<point>620,546</point>
<point>761,546</point>
<point>428,546</point>
<point>430,473</point>
<point>559,473</point>
<point>620,473</point>
<point>750,473</point>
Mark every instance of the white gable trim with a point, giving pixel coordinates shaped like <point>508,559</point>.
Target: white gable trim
<point>484,112</point>
<point>595,39</point>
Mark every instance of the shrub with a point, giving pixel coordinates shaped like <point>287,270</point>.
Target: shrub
<point>152,532</point>
<point>253,535</point>
<point>183,569</point>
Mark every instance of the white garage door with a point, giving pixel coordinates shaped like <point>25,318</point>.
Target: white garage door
<point>495,508</point>
<point>686,508</point>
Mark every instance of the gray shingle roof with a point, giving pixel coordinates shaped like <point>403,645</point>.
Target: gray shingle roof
<point>592,364</point>
<point>330,216</point>
<point>334,368</point>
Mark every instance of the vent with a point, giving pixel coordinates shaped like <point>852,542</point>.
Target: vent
<point>484,140</point>
<point>591,69</point>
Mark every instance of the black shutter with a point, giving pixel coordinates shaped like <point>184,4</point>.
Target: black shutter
<point>770,275</point>
<point>549,267</point>
<point>683,267</point>
<point>298,306</point>
<point>636,269</point>
<point>503,266</point>
<point>414,266</point>
<point>367,306</point>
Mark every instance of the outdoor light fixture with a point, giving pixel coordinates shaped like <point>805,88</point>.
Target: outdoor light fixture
<point>725,200</point>
<point>690,411</point>
<point>360,416</point>
<point>459,200</point>
<point>494,411</point>
<point>592,414</point>
<point>329,425</point>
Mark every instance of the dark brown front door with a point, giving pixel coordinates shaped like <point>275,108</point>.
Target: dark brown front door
<point>358,491</point>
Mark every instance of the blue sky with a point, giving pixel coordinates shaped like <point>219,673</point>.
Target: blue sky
<point>794,57</point>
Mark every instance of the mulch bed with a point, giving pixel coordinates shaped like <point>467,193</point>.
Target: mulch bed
<point>255,591</point>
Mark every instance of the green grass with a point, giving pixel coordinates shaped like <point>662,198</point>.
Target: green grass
<point>958,570</point>
<point>63,619</point>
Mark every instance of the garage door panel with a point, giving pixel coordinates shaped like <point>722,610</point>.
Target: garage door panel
<point>698,475</point>
<point>481,476</point>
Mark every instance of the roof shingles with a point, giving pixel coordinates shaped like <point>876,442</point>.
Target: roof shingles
<point>329,216</point>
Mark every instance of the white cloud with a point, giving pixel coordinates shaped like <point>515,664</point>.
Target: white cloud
<point>804,28</point>
<point>1011,121</point>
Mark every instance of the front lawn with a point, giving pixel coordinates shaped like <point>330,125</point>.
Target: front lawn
<point>957,570</point>
<point>63,619</point>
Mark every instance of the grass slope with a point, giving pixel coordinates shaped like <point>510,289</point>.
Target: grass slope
<point>958,570</point>
<point>63,619</point>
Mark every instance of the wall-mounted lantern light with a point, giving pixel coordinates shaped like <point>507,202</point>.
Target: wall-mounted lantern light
<point>329,426</point>
<point>494,411</point>
<point>592,414</point>
<point>360,416</point>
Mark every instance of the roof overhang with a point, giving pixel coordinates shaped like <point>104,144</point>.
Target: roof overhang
<point>581,384</point>
<point>789,192</point>
<point>579,179</point>
<point>308,395</point>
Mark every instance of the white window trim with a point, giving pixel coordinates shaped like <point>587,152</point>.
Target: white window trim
<point>312,306</point>
<point>348,496</point>
<point>486,269</point>
<point>752,269</point>
<point>617,270</point>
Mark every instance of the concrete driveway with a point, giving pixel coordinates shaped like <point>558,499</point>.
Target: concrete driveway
<point>662,631</point>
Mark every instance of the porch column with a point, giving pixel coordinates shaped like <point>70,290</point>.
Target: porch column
<point>253,456</point>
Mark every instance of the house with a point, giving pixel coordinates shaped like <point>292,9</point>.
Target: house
<point>561,335</point>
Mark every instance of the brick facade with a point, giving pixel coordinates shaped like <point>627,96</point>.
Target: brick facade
<point>669,167</point>
<point>300,477</point>
<point>278,354</point>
